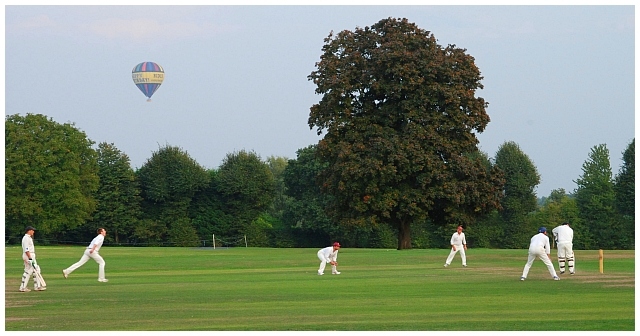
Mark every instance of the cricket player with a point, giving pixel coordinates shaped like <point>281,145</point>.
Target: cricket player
<point>29,259</point>
<point>329,255</point>
<point>563,236</point>
<point>458,243</point>
<point>539,248</point>
<point>91,252</point>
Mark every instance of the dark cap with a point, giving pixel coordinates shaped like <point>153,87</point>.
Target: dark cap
<point>29,228</point>
<point>542,229</point>
<point>336,244</point>
<point>565,223</point>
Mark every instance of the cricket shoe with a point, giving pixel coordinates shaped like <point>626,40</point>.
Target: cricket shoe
<point>573,273</point>
<point>556,278</point>
<point>446,265</point>
<point>562,272</point>
<point>64,274</point>
<point>25,290</point>
<point>522,278</point>
<point>335,272</point>
<point>320,273</point>
<point>464,265</point>
<point>40,288</point>
<point>103,280</point>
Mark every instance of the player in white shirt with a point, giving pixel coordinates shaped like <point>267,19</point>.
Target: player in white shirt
<point>458,243</point>
<point>91,252</point>
<point>539,248</point>
<point>329,255</point>
<point>563,236</point>
<point>29,260</point>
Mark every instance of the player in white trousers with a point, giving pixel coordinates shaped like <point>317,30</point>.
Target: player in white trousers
<point>458,243</point>
<point>29,260</point>
<point>329,255</point>
<point>563,235</point>
<point>539,248</point>
<point>91,252</point>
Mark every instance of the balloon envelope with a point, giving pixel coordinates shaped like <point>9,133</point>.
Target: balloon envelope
<point>147,76</point>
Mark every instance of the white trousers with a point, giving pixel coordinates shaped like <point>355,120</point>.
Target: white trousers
<point>29,272</point>
<point>85,257</point>
<point>565,255</point>
<point>323,264</point>
<point>538,253</point>
<point>459,248</point>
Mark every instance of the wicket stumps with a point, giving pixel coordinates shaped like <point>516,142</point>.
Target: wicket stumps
<point>601,261</point>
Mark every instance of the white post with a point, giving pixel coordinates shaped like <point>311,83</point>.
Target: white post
<point>214,241</point>
<point>245,241</point>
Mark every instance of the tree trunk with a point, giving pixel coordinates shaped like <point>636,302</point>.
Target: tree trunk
<point>404,236</point>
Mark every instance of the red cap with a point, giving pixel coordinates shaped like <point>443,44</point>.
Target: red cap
<point>336,244</point>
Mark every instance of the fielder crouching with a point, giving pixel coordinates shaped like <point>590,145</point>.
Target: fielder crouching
<point>329,255</point>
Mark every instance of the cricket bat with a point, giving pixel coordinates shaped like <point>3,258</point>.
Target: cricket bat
<point>39,277</point>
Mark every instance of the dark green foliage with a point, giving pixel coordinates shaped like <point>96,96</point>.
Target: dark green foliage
<point>625,189</point>
<point>521,178</point>
<point>305,213</point>
<point>171,174</point>
<point>558,208</point>
<point>182,233</point>
<point>118,196</point>
<point>169,180</point>
<point>625,182</point>
<point>487,232</point>
<point>245,187</point>
<point>51,175</point>
<point>595,198</point>
<point>400,115</point>
<point>150,232</point>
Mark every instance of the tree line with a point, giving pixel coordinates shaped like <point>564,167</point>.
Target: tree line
<point>398,166</point>
<point>57,181</point>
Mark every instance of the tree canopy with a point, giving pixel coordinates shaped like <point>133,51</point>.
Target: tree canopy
<point>400,118</point>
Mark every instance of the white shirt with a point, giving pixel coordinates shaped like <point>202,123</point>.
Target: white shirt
<point>97,241</point>
<point>27,246</point>
<point>563,234</point>
<point>458,239</point>
<point>329,254</point>
<point>540,241</point>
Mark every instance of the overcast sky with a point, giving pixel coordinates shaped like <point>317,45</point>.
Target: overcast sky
<point>559,80</point>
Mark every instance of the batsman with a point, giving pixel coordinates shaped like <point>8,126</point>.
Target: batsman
<point>31,268</point>
<point>563,235</point>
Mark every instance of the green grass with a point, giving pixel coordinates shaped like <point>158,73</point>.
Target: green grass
<point>278,289</point>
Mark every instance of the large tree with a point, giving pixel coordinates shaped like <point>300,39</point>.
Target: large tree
<point>596,199</point>
<point>521,178</point>
<point>50,175</point>
<point>625,186</point>
<point>400,116</point>
<point>625,190</point>
<point>169,180</point>
<point>118,196</point>
<point>246,189</point>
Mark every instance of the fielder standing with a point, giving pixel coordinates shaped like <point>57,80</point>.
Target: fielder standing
<point>329,255</point>
<point>29,260</point>
<point>563,235</point>
<point>91,252</point>
<point>458,243</point>
<point>539,248</point>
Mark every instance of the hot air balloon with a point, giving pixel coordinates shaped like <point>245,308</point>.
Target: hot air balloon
<point>148,76</point>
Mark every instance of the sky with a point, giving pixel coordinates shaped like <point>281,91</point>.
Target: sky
<point>559,80</point>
